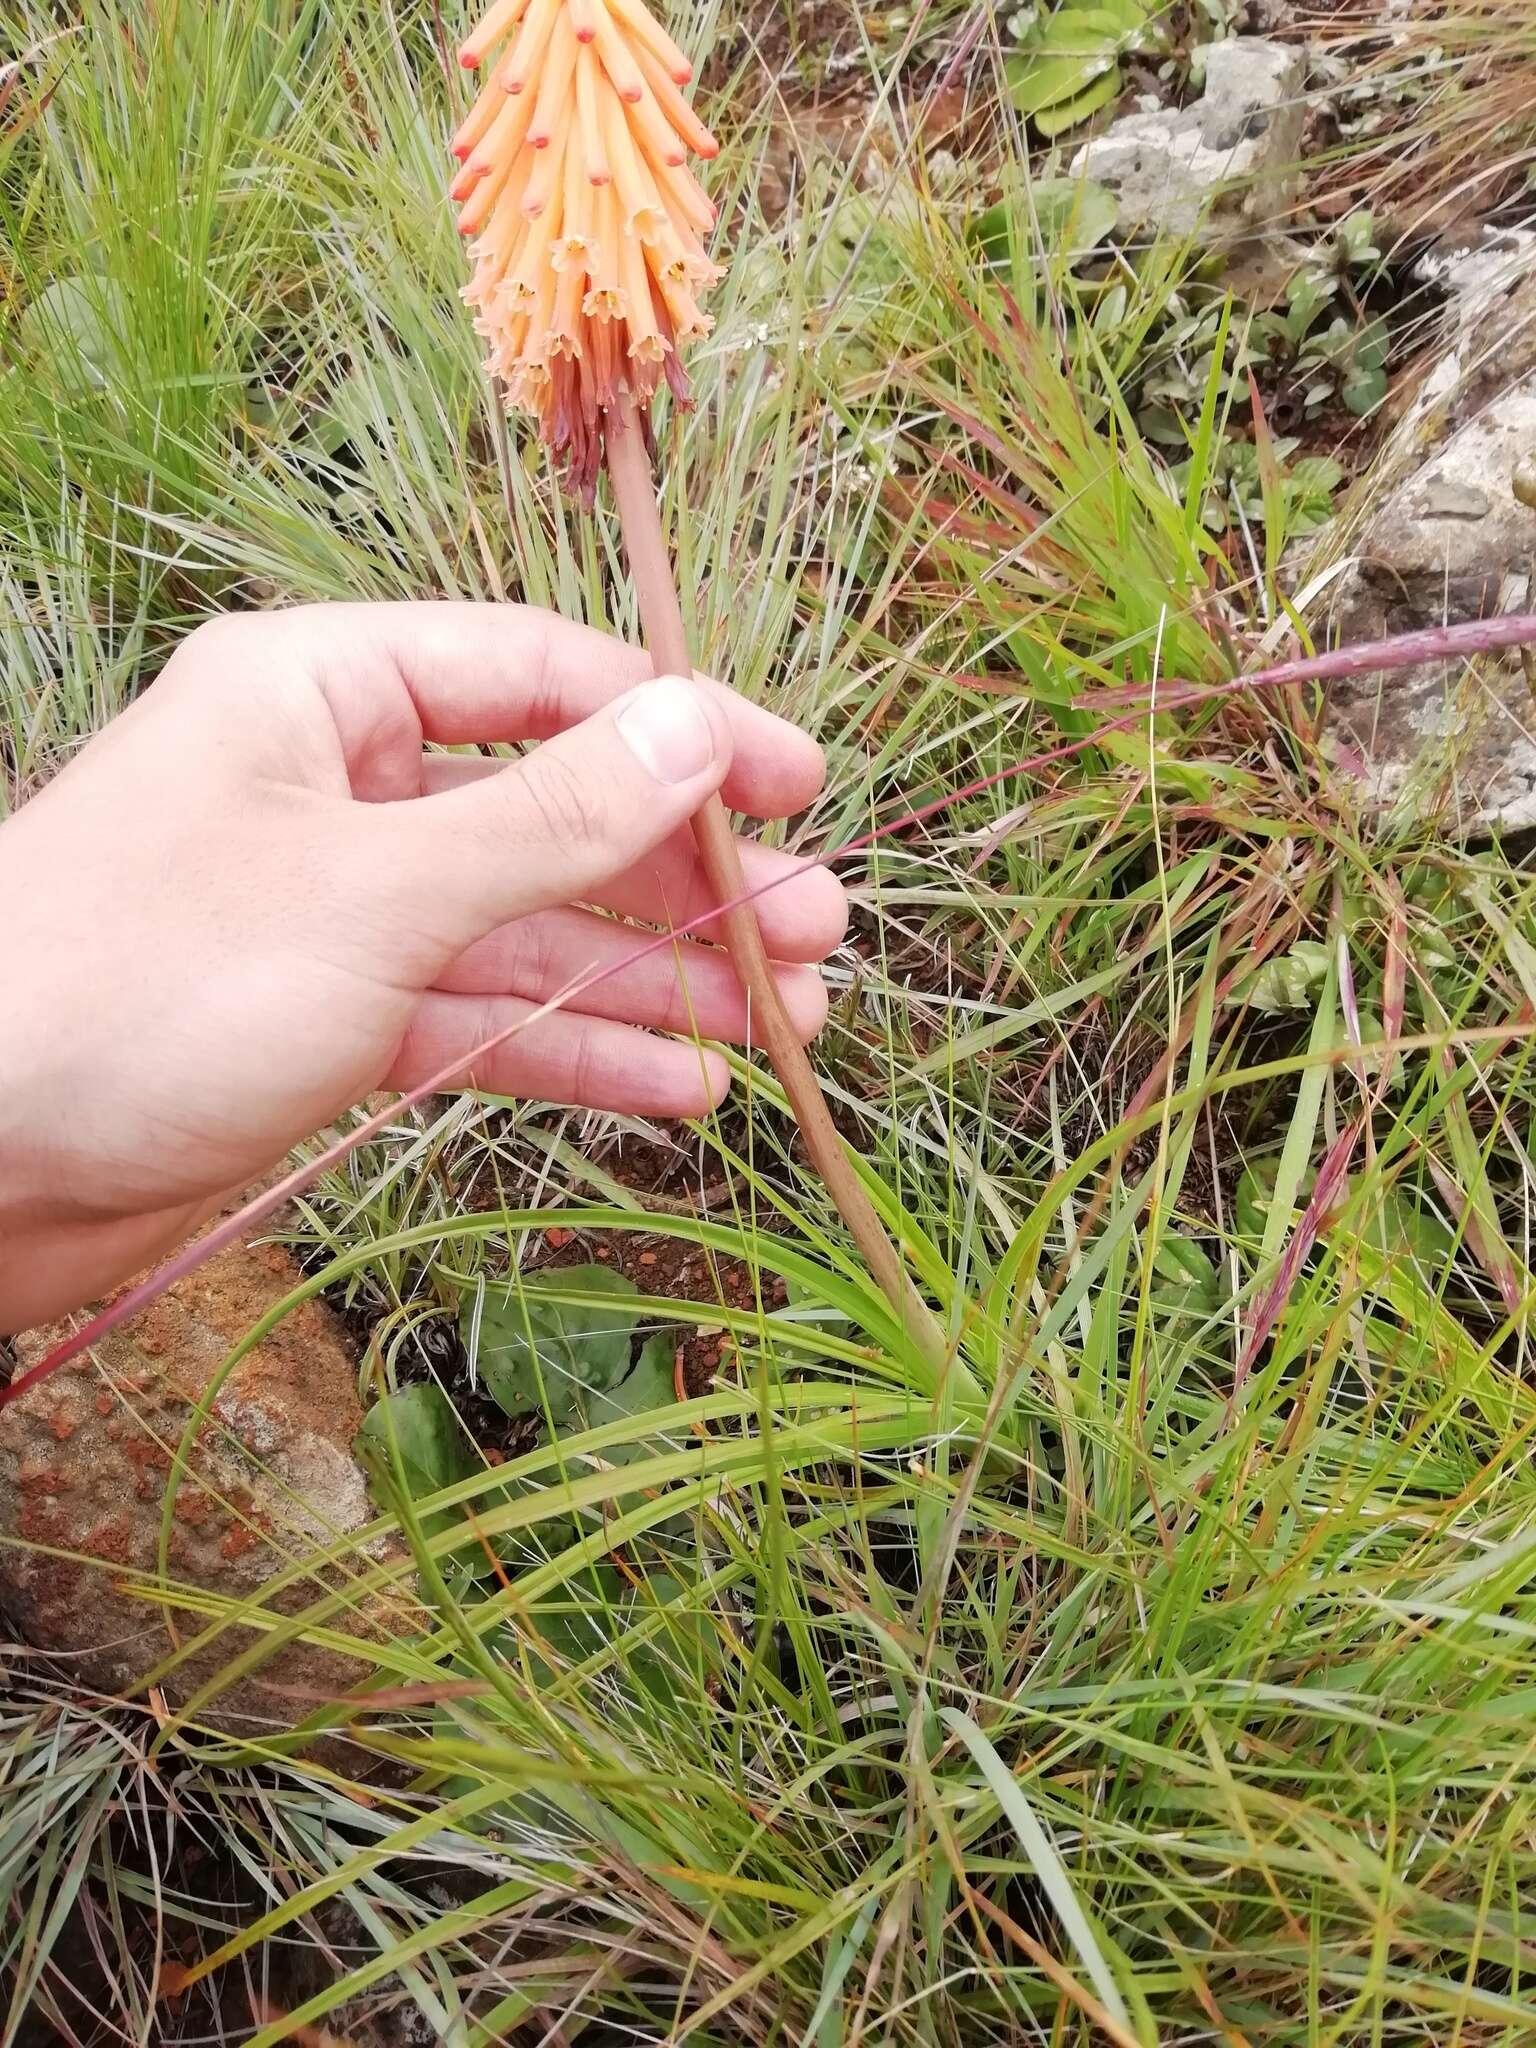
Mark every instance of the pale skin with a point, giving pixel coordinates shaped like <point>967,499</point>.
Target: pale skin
<point>257,897</point>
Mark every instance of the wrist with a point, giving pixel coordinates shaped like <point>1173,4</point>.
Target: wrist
<point>31,1212</point>
<point>40,1188</point>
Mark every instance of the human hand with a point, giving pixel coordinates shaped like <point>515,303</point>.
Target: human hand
<point>254,899</point>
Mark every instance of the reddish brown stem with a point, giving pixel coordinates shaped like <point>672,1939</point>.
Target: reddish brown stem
<point>1460,642</point>
<point>666,637</point>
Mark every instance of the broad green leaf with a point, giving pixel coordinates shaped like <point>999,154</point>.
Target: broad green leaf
<point>1067,114</point>
<point>641,1392</point>
<point>1364,391</point>
<point>76,316</point>
<point>1183,1278</point>
<point>417,1434</point>
<point>1288,982</point>
<point>1041,80</point>
<point>1072,213</point>
<point>550,1341</point>
<point>1057,214</point>
<point>1128,17</point>
<point>1091,30</point>
<point>799,1297</point>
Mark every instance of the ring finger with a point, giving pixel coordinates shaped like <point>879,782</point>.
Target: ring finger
<point>615,970</point>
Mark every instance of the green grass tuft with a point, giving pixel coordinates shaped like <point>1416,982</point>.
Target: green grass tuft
<point>1165,1675</point>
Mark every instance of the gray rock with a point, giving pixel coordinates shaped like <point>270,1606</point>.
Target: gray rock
<point>84,1462</point>
<point>1220,167</point>
<point>1450,542</point>
<point>1488,330</point>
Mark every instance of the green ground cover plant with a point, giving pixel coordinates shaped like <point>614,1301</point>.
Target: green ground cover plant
<point>1160,1673</point>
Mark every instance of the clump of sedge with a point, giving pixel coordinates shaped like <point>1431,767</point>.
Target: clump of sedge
<point>586,220</point>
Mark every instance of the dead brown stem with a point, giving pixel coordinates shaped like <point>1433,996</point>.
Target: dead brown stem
<point>661,614</point>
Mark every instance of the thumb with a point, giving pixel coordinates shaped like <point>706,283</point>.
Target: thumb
<point>555,826</point>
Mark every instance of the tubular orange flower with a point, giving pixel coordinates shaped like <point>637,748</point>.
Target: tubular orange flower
<point>586,221</point>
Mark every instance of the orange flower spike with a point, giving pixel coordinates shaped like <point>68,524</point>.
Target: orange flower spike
<point>696,202</point>
<point>577,247</point>
<point>645,338</point>
<point>616,58</point>
<point>585,218</point>
<point>534,263</point>
<point>593,148</point>
<point>605,301</point>
<point>675,110</point>
<point>465,182</point>
<point>486,196</point>
<point>659,142</point>
<point>506,136</point>
<point>545,182</point>
<point>643,213</point>
<point>565,336</point>
<point>649,34</point>
<point>501,20</point>
<point>557,85</point>
<point>489,101</point>
<point>532,41</point>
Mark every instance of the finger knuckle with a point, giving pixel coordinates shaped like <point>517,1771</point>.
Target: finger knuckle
<point>563,807</point>
<point>584,1071</point>
<point>210,652</point>
<point>534,955</point>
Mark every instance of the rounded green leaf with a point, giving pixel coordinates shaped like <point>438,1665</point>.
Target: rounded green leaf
<point>550,1340</point>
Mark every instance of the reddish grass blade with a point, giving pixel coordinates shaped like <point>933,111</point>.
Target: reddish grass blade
<point>1330,1178</point>
<point>1394,985</point>
<point>1407,650</point>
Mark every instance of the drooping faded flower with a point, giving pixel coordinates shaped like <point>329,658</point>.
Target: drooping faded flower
<point>586,220</point>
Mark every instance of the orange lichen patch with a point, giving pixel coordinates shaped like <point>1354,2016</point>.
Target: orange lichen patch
<point>110,1540</point>
<point>43,1521</point>
<point>36,1479</point>
<point>237,1541</point>
<point>586,222</point>
<point>64,1421</point>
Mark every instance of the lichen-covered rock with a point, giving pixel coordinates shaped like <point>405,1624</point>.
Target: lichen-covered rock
<point>1222,166</point>
<point>1452,538</point>
<point>84,1462</point>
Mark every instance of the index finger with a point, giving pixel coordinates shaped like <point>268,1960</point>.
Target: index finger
<point>498,672</point>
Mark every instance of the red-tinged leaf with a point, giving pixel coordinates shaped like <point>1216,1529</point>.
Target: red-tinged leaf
<point>1488,1251</point>
<point>1263,439</point>
<point>904,503</point>
<point>1271,1304</point>
<point>1020,512</point>
<point>1394,980</point>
